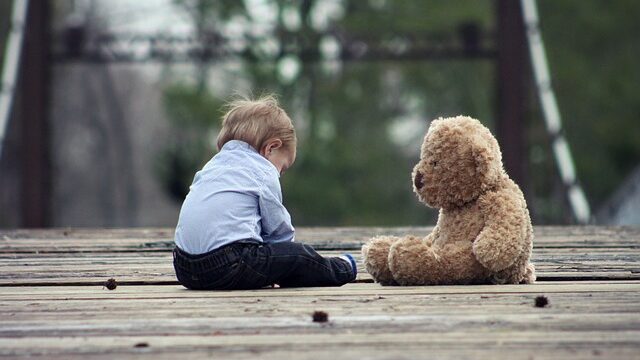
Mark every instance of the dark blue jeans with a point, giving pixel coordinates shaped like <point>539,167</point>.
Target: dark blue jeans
<point>244,265</point>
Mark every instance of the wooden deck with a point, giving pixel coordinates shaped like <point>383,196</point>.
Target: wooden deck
<point>53,303</point>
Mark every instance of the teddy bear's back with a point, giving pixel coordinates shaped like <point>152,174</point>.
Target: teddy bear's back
<point>464,224</point>
<point>517,272</point>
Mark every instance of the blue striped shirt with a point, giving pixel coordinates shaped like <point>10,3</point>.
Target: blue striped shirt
<point>236,196</point>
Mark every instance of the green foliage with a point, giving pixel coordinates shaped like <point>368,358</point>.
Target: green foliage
<point>415,17</point>
<point>593,49</point>
<point>188,106</point>
<point>194,114</point>
<point>210,11</point>
<point>175,166</point>
<point>350,170</point>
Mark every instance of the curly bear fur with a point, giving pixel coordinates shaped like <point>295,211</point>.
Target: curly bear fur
<point>483,234</point>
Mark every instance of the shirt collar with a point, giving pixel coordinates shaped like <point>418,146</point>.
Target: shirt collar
<point>244,146</point>
<point>238,144</point>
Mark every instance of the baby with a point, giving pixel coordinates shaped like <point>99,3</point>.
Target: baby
<point>233,231</point>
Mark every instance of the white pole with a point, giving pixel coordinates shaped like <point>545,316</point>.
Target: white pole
<point>11,64</point>
<point>553,120</point>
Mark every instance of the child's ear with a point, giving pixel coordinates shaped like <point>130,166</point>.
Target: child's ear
<point>276,144</point>
<point>271,145</point>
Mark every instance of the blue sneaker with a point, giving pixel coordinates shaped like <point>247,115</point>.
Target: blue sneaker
<point>349,258</point>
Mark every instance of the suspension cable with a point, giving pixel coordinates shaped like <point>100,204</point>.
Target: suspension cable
<point>562,153</point>
<point>13,48</point>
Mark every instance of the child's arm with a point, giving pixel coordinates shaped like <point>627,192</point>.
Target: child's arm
<point>275,219</point>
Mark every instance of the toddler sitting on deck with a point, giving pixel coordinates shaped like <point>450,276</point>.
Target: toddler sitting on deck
<point>233,231</point>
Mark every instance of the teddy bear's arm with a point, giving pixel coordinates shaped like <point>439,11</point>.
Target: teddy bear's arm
<point>501,240</point>
<point>429,239</point>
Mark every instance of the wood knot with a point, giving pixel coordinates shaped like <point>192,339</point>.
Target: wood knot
<point>111,284</point>
<point>541,301</point>
<point>320,316</point>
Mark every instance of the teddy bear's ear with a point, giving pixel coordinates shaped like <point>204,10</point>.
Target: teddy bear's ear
<point>433,125</point>
<point>488,160</point>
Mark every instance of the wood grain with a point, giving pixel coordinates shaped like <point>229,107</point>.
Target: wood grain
<point>156,267</point>
<point>391,321</point>
<point>53,303</point>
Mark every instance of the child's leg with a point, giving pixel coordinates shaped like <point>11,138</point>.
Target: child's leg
<point>299,265</point>
<point>291,264</point>
<point>252,266</point>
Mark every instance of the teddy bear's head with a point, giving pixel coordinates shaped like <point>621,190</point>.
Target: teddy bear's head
<point>459,160</point>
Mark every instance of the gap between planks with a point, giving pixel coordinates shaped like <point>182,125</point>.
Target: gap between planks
<point>19,293</point>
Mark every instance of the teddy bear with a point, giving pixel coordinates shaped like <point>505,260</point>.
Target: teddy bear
<point>483,234</point>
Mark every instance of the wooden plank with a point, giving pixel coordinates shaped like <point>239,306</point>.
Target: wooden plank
<point>585,319</point>
<point>313,233</point>
<point>621,345</point>
<point>20,293</point>
<point>83,303</point>
<point>371,321</point>
<point>92,256</point>
<point>84,307</point>
<point>347,238</point>
<point>273,320</point>
<point>156,267</point>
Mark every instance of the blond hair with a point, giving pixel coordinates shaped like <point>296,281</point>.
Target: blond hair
<point>256,122</point>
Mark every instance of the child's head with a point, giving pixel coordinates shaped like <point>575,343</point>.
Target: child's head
<point>264,125</point>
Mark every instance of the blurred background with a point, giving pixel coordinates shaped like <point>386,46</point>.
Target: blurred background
<point>117,103</point>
